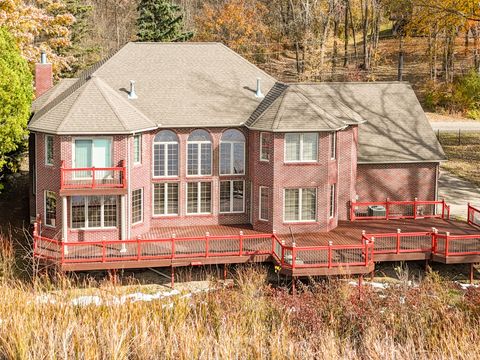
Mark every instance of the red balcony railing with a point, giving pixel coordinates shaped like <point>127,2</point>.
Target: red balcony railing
<point>386,210</point>
<point>93,177</point>
<point>473,217</point>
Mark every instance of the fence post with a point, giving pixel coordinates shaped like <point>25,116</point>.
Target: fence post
<point>447,235</point>
<point>433,241</point>
<point>35,236</point>
<point>282,260</point>
<point>207,235</point>
<point>398,241</point>
<point>139,249</point>
<point>363,236</point>
<point>415,208</point>
<point>93,177</point>
<point>372,241</point>
<point>241,243</point>
<point>330,244</point>
<point>387,208</point>
<point>352,213</point>
<point>62,179</point>
<point>366,252</point>
<point>443,208</point>
<point>273,241</point>
<point>173,245</point>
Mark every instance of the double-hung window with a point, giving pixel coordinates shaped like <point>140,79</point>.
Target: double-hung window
<point>137,149</point>
<point>199,153</point>
<point>165,154</point>
<point>199,198</point>
<point>48,150</point>
<point>332,200</point>
<point>232,153</point>
<point>264,198</point>
<point>301,147</point>
<point>93,212</point>
<point>333,145</point>
<point>265,146</point>
<point>165,199</point>
<point>137,206</point>
<point>50,208</point>
<point>232,196</point>
<point>300,205</point>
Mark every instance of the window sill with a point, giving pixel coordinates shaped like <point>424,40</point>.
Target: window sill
<point>200,215</point>
<point>231,175</point>
<point>302,222</point>
<point>137,224</point>
<point>169,216</point>
<point>263,220</point>
<point>165,177</point>
<point>93,229</point>
<point>232,213</point>
<point>301,163</point>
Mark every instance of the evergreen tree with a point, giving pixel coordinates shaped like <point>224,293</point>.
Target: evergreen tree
<point>160,20</point>
<point>16,93</point>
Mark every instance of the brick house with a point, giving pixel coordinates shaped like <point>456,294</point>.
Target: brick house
<point>190,134</point>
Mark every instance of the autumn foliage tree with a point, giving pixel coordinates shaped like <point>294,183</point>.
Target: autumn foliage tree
<point>239,24</point>
<point>39,25</point>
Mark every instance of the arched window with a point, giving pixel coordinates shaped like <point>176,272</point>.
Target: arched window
<point>165,154</point>
<point>232,153</point>
<point>199,153</point>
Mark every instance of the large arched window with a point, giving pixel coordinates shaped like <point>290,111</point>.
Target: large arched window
<point>199,153</point>
<point>165,154</point>
<point>232,153</point>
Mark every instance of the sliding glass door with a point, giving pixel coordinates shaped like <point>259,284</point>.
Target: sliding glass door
<point>90,153</point>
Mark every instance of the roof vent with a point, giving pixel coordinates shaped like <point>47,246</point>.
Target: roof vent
<point>43,58</point>
<point>258,92</point>
<point>132,94</point>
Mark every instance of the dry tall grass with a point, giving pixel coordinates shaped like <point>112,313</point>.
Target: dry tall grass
<point>328,320</point>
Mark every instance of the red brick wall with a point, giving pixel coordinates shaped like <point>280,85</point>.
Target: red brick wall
<point>375,182</point>
<point>43,78</point>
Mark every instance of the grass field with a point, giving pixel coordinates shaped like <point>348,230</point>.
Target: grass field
<point>463,153</point>
<point>333,319</point>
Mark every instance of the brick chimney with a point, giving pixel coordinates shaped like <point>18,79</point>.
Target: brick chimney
<point>43,76</point>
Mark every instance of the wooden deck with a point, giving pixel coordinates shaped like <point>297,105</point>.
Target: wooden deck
<point>340,251</point>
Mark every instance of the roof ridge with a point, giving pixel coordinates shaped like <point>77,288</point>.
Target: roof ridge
<point>104,88</point>
<point>59,127</point>
<point>264,106</point>
<point>276,120</point>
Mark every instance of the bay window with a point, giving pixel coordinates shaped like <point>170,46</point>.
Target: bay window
<point>199,198</point>
<point>93,212</point>
<point>50,208</point>
<point>265,144</point>
<point>137,149</point>
<point>48,150</point>
<point>137,206</point>
<point>300,204</point>
<point>165,199</point>
<point>232,153</point>
<point>199,153</point>
<point>165,154</point>
<point>232,196</point>
<point>301,147</point>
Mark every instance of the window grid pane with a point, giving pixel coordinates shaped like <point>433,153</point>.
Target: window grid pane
<point>238,158</point>
<point>264,203</point>
<point>265,146</point>
<point>332,200</point>
<point>206,159</point>
<point>158,160</point>
<point>49,150</point>
<point>109,211</point>
<point>78,212</point>
<point>225,196</point>
<point>292,204</point>
<point>192,161</point>
<point>94,211</point>
<point>137,206</point>
<point>192,198</point>
<point>137,148</point>
<point>172,158</point>
<point>225,158</point>
<point>238,196</point>
<point>308,204</point>
<point>205,197</point>
<point>292,147</point>
<point>158,199</point>
<point>309,147</point>
<point>50,208</point>
<point>172,199</point>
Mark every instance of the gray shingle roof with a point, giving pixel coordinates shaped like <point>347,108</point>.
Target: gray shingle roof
<point>178,84</point>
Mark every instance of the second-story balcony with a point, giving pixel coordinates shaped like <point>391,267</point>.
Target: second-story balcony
<point>93,178</point>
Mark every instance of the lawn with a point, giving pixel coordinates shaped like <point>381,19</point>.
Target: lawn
<point>463,153</point>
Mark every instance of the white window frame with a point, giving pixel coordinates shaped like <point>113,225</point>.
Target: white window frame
<point>92,138</point>
<point>267,159</point>
<point>260,204</point>
<point>165,194</point>
<point>232,158</point>
<point>165,144</point>
<point>46,192</point>
<point>102,214</point>
<point>141,206</point>
<point>199,159</point>
<point>332,201</point>
<point>199,189</point>
<point>300,220</point>
<point>301,149</point>
<point>139,161</point>
<point>231,197</point>
<point>333,145</point>
<point>47,138</point>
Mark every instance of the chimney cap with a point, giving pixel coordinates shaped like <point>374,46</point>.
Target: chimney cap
<point>43,57</point>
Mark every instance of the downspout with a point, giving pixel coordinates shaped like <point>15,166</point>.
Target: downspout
<point>129,190</point>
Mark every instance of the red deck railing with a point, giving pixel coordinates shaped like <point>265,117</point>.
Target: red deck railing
<point>385,210</point>
<point>398,243</point>
<point>473,217</point>
<point>91,178</point>
<point>456,245</point>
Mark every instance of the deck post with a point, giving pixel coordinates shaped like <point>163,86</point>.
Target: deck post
<point>172,277</point>
<point>415,208</point>
<point>240,245</point>
<point>471,273</point>
<point>207,235</point>
<point>64,222</point>
<point>446,243</point>
<point>330,244</point>
<point>387,208</point>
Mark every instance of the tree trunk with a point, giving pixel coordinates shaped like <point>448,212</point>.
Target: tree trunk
<point>335,44</point>
<point>364,4</point>
<point>345,58</point>
<point>354,35</point>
